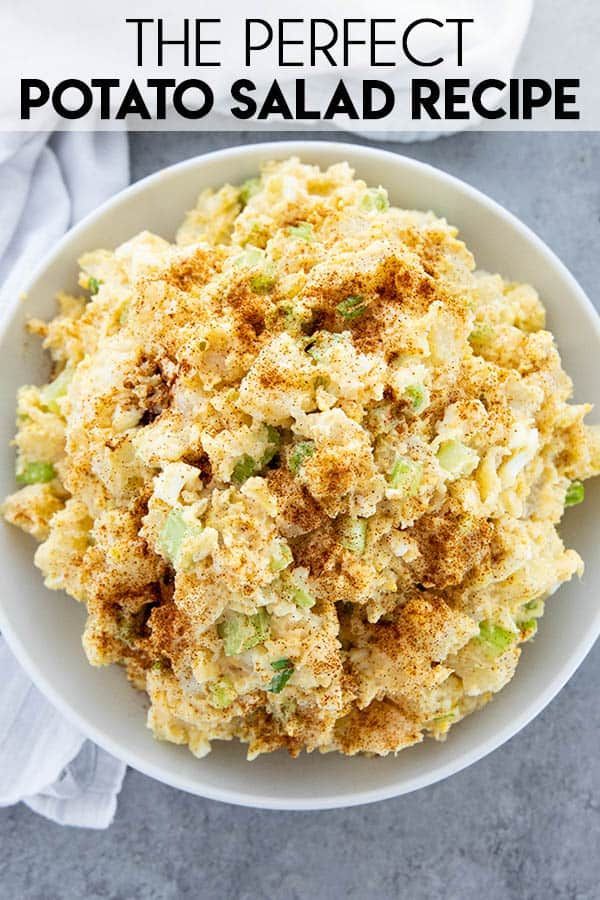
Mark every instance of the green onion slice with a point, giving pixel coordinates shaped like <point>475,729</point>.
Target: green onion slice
<point>284,669</point>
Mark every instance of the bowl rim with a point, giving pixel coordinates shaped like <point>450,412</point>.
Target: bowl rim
<point>281,149</point>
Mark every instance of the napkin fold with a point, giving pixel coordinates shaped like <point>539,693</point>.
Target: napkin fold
<point>47,183</point>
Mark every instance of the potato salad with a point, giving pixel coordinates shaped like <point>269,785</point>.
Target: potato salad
<point>304,467</point>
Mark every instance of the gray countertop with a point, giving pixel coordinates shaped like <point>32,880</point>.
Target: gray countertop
<point>522,823</point>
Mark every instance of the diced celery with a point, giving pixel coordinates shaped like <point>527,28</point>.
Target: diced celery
<point>417,394</point>
<point>260,623</point>
<point>246,466</point>
<point>352,307</point>
<point>444,720</point>
<point>281,557</point>
<point>240,632</point>
<point>284,669</point>
<point>481,334</point>
<point>575,493</point>
<point>535,607</point>
<point>263,283</point>
<point>173,533</point>
<point>299,454</point>
<point>375,200</point>
<point>303,599</point>
<point>51,393</point>
<point>456,458</point>
<point>249,188</point>
<point>303,231</point>
<point>295,591</point>
<point>495,638</point>
<point>274,443</point>
<point>528,629</point>
<point>405,475</point>
<point>36,473</point>
<point>222,693</point>
<point>94,285</point>
<point>251,256</point>
<point>237,634</point>
<point>243,469</point>
<point>354,535</point>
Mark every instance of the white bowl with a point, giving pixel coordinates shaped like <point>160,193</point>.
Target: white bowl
<point>44,629</point>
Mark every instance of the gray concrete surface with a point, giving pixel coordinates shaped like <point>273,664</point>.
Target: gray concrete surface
<point>522,824</point>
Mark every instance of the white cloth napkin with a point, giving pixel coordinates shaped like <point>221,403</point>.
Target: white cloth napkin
<point>47,183</point>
